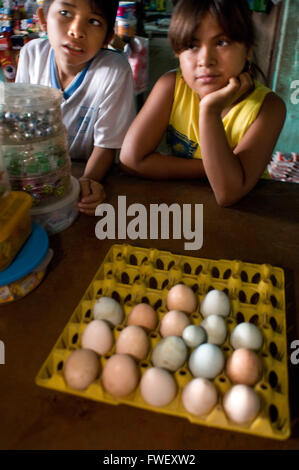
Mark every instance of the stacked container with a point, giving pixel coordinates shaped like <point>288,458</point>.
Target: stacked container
<point>34,147</point>
<point>24,253</point>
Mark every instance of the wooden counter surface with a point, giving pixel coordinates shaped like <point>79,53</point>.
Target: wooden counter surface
<point>262,228</point>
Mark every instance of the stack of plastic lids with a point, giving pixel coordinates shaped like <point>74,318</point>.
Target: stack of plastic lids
<point>28,267</point>
<point>34,144</point>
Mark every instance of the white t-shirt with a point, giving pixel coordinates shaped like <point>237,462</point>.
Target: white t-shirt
<point>98,106</point>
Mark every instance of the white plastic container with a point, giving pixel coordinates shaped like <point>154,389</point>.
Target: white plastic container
<point>58,215</point>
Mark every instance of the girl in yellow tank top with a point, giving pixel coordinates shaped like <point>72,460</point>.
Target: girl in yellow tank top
<point>214,114</point>
<point>183,131</point>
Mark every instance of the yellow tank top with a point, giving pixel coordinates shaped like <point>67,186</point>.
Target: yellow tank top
<point>183,132</point>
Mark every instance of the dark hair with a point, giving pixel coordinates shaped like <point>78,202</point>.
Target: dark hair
<point>234,16</point>
<point>108,8</point>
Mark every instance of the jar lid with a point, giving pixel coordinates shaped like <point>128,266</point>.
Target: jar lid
<point>29,257</point>
<point>28,97</point>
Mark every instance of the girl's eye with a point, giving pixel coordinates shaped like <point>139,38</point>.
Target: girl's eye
<point>223,42</point>
<point>95,22</point>
<point>192,47</point>
<point>64,13</point>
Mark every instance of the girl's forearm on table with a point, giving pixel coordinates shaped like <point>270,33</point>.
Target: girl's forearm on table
<point>159,166</point>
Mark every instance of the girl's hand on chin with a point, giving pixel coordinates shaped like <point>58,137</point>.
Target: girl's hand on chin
<point>218,100</point>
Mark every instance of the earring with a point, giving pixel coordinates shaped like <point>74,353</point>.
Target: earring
<point>249,66</point>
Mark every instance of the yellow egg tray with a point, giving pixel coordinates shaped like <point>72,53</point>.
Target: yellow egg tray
<point>132,275</point>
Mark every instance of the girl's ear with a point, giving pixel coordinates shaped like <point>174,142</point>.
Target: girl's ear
<point>42,18</point>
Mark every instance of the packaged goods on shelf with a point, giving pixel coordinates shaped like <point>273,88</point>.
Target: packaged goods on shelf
<point>137,51</point>
<point>284,167</point>
<point>125,23</point>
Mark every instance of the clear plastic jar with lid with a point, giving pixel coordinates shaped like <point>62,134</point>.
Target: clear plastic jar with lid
<point>28,113</point>
<point>4,181</point>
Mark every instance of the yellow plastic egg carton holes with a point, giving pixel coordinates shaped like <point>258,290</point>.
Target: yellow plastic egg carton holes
<point>132,275</point>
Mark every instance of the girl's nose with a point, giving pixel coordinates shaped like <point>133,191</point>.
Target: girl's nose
<point>76,29</point>
<point>206,56</point>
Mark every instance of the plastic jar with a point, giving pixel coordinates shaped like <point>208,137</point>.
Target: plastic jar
<point>59,215</point>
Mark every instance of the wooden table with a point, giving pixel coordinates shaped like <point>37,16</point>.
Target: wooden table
<point>262,228</point>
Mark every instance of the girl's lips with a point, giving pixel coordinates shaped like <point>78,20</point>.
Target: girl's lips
<point>208,78</point>
<point>73,50</point>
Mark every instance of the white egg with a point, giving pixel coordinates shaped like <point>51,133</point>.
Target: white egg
<point>216,329</point>
<point>194,335</point>
<point>246,335</point>
<point>199,396</point>
<point>241,404</point>
<point>108,309</point>
<point>206,361</point>
<point>157,387</point>
<point>169,353</point>
<point>98,337</point>
<point>215,302</point>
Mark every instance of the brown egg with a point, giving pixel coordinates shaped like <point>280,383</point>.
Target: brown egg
<point>133,341</point>
<point>143,315</point>
<point>244,367</point>
<point>120,375</point>
<point>173,323</point>
<point>181,297</point>
<point>81,368</point>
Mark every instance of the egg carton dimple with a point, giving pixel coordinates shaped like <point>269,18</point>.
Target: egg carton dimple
<point>133,275</point>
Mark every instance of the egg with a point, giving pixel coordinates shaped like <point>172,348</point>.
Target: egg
<point>108,309</point>
<point>206,361</point>
<point>215,302</point>
<point>157,387</point>
<point>133,341</point>
<point>98,337</point>
<point>120,375</point>
<point>216,329</point>
<point>194,335</point>
<point>241,404</point>
<point>81,368</point>
<point>199,396</point>
<point>181,297</point>
<point>173,323</point>
<point>143,315</point>
<point>170,353</point>
<point>244,367</point>
<point>246,335</point>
